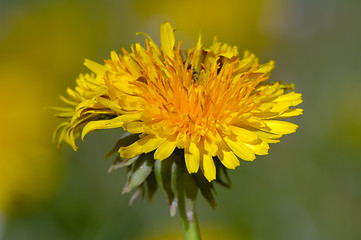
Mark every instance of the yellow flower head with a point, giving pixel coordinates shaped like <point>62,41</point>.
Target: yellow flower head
<point>210,103</point>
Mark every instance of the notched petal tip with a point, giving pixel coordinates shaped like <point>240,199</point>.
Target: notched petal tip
<point>95,67</point>
<point>192,157</point>
<point>167,38</point>
<point>208,167</point>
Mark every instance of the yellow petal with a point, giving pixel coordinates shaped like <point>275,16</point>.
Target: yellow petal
<point>291,113</point>
<point>167,39</point>
<point>144,145</point>
<point>267,135</point>
<point>240,149</point>
<point>95,67</point>
<point>209,169</point>
<point>59,132</point>
<point>192,156</point>
<point>199,53</point>
<point>68,101</point>
<point>280,127</point>
<point>120,81</point>
<point>154,47</point>
<point>107,124</point>
<point>210,148</point>
<point>114,56</point>
<point>259,149</point>
<point>292,97</point>
<point>164,150</point>
<point>229,160</point>
<point>134,149</point>
<point>244,134</point>
<point>134,127</point>
<point>266,68</point>
<point>149,144</point>
<point>109,104</point>
<point>226,156</point>
<point>230,52</point>
<point>101,124</point>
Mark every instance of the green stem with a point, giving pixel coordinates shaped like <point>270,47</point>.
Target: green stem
<point>2,224</point>
<point>189,223</point>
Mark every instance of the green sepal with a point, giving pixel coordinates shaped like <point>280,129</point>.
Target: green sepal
<point>122,162</point>
<point>177,184</point>
<point>163,172</point>
<point>205,187</point>
<point>185,190</point>
<point>222,171</point>
<point>190,195</point>
<point>151,186</point>
<point>124,141</point>
<point>140,171</point>
<point>135,195</point>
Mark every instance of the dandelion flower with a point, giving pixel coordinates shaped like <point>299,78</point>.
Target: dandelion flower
<point>188,116</point>
<point>212,103</point>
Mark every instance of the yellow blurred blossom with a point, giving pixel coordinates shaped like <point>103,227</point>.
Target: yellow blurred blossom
<point>29,169</point>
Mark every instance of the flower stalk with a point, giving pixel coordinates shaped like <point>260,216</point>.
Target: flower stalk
<point>190,226</point>
<point>2,225</point>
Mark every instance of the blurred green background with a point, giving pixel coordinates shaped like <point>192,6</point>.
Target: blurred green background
<point>308,187</point>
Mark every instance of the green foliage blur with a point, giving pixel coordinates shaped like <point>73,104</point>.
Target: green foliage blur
<point>307,188</point>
